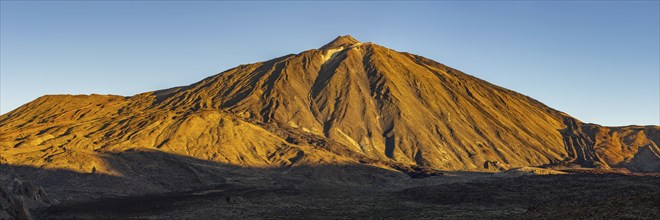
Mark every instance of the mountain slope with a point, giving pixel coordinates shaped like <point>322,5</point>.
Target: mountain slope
<point>346,102</point>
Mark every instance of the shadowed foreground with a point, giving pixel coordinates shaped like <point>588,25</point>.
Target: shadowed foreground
<point>551,197</point>
<point>196,189</point>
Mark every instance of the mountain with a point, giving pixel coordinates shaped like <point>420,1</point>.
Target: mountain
<point>347,102</point>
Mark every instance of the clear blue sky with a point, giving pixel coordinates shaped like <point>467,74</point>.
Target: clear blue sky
<point>597,61</point>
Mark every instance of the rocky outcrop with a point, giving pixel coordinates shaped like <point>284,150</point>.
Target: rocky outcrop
<point>30,191</point>
<point>13,206</point>
<point>19,197</point>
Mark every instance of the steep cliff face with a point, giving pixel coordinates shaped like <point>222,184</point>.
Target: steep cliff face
<point>345,102</point>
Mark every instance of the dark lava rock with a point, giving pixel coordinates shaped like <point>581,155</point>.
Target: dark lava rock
<point>30,191</point>
<point>13,207</point>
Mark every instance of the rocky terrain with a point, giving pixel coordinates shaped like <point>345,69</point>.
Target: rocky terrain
<point>456,195</point>
<point>16,200</point>
<point>367,122</point>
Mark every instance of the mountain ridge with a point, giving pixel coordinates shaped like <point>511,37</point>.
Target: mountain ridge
<point>361,101</point>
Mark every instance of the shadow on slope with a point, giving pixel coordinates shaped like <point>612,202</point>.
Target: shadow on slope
<point>149,171</point>
<point>153,184</point>
<point>148,181</point>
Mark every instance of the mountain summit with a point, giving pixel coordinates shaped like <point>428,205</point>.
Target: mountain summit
<point>345,103</point>
<point>341,41</point>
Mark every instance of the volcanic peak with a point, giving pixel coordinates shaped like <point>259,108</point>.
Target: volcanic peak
<point>341,41</point>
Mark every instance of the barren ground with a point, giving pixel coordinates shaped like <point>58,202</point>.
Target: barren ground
<point>458,195</point>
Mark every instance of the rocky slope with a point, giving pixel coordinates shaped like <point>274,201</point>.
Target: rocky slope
<point>345,103</point>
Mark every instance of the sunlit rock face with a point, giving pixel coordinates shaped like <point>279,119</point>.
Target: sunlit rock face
<point>345,103</point>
